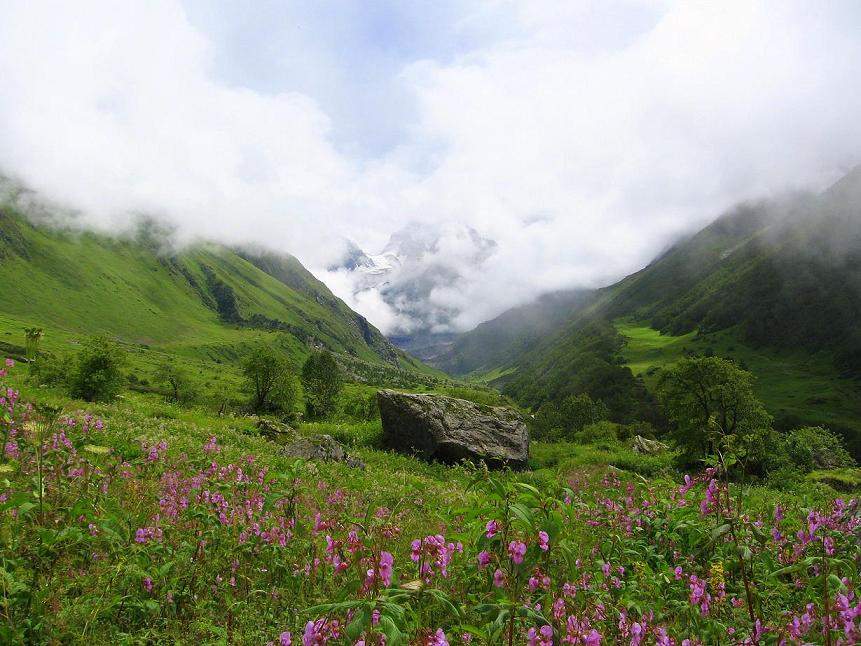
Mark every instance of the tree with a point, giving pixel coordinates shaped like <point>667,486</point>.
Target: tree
<point>322,382</point>
<point>268,379</point>
<point>710,402</point>
<point>97,373</point>
<point>177,380</point>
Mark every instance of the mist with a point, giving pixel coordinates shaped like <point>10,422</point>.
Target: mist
<point>581,139</point>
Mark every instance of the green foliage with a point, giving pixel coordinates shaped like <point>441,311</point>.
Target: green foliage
<point>812,447</point>
<point>177,380</point>
<point>50,370</point>
<point>565,421</point>
<point>97,373</point>
<point>321,382</point>
<point>32,336</point>
<point>706,399</point>
<point>269,381</point>
<point>586,359</point>
<point>602,431</point>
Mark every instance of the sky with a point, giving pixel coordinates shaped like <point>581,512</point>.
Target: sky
<point>581,137</point>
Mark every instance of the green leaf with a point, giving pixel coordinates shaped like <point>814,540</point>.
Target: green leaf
<point>522,512</point>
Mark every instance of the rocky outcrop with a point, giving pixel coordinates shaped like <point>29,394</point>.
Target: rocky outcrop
<point>645,446</point>
<point>320,447</point>
<point>315,447</point>
<point>434,427</point>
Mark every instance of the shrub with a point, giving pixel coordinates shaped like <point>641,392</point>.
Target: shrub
<point>50,370</point>
<point>598,432</point>
<point>568,419</point>
<point>813,447</point>
<point>97,374</point>
<point>177,380</point>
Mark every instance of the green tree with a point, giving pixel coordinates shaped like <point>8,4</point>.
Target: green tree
<point>711,404</point>
<point>177,380</point>
<point>268,379</point>
<point>578,411</point>
<point>97,373</point>
<point>322,382</point>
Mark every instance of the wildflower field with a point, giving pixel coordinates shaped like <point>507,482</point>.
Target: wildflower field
<point>140,522</point>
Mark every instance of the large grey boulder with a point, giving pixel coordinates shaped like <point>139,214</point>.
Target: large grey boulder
<point>434,427</point>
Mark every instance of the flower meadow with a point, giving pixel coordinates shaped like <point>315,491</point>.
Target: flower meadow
<point>119,531</point>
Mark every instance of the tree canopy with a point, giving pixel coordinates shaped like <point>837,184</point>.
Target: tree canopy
<point>708,399</point>
<point>322,382</point>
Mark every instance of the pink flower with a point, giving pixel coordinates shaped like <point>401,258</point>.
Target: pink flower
<point>211,446</point>
<point>386,562</point>
<point>492,528</point>
<point>437,639</point>
<point>147,584</point>
<point>285,639</point>
<point>517,550</point>
<point>543,540</point>
<point>10,363</point>
<point>540,637</point>
<point>483,559</point>
<point>499,578</point>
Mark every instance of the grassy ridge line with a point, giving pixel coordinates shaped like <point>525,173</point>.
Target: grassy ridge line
<point>201,302</point>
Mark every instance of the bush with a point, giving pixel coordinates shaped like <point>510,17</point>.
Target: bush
<point>564,422</point>
<point>359,405</point>
<point>50,370</point>
<point>97,373</point>
<point>813,447</point>
<point>598,432</point>
<point>178,382</point>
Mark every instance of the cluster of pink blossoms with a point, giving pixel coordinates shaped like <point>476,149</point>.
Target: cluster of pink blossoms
<point>433,555</point>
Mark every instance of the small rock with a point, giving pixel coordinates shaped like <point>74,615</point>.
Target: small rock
<point>320,447</point>
<point>274,431</point>
<point>645,446</point>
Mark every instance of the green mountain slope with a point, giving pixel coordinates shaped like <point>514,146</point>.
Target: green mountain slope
<point>205,300</point>
<point>775,285</point>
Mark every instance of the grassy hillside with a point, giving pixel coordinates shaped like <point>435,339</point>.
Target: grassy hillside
<point>204,301</point>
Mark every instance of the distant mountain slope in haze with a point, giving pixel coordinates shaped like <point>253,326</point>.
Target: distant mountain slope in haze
<point>780,277</point>
<point>502,340</point>
<point>201,297</point>
<point>787,274</point>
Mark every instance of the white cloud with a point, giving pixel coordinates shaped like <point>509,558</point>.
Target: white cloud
<point>581,141</point>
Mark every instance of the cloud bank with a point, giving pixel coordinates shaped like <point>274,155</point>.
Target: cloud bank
<point>582,138</point>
